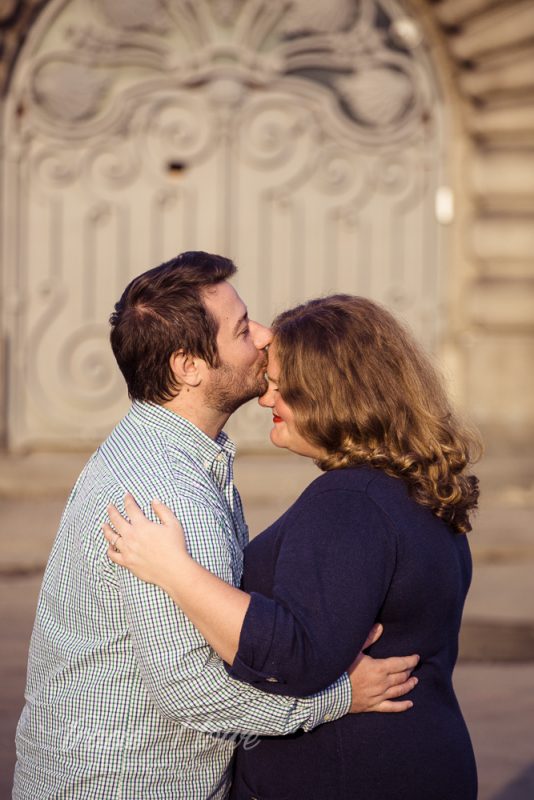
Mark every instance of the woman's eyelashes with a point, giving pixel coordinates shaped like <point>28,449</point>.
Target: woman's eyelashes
<point>272,384</point>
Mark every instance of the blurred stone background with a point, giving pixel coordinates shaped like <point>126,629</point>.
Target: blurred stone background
<point>379,147</point>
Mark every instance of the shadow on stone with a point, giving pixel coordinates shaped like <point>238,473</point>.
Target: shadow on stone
<point>520,788</point>
<point>496,641</point>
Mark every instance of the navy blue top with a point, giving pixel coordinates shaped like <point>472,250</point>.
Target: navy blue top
<point>355,549</point>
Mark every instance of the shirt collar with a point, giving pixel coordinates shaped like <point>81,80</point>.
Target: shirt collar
<point>184,434</point>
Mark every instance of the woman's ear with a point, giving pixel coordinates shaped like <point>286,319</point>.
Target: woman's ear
<point>186,369</point>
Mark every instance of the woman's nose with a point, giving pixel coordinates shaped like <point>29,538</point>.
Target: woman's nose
<point>261,336</point>
<point>266,400</point>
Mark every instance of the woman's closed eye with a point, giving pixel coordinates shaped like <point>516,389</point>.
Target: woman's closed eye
<point>272,383</point>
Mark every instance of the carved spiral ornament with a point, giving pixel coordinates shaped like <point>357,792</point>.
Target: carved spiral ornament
<point>270,132</point>
<point>396,174</point>
<point>112,166</point>
<point>55,169</point>
<point>86,367</point>
<point>179,129</point>
<point>340,172</point>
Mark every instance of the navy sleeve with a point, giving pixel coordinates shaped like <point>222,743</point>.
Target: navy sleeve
<point>333,570</point>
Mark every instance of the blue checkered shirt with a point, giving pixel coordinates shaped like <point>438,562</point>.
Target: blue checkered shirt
<point>124,698</point>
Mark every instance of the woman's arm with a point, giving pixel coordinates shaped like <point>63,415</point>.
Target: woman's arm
<point>158,554</point>
<point>335,560</point>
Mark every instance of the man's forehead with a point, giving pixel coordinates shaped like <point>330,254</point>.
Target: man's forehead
<point>223,300</point>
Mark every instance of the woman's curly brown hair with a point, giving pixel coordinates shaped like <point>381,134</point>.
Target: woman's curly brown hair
<point>364,392</point>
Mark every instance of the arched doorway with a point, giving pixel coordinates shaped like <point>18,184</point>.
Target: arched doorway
<point>303,140</point>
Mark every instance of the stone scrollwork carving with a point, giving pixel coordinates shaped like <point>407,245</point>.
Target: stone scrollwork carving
<point>177,126</point>
<point>271,131</point>
<point>277,131</point>
<point>355,49</point>
<point>225,11</point>
<point>378,96</point>
<point>340,172</point>
<point>316,16</point>
<point>136,14</point>
<point>69,91</point>
<point>395,174</point>
<point>112,166</point>
<point>55,170</point>
<point>86,365</point>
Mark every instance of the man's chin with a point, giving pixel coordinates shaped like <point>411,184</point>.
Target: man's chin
<point>229,405</point>
<point>246,398</point>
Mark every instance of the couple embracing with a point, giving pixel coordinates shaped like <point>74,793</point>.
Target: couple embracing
<point>172,659</point>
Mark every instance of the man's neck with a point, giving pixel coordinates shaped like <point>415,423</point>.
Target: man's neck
<point>208,420</point>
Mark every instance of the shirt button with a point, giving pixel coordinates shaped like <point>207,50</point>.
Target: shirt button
<point>219,457</point>
<point>271,680</point>
<point>327,717</point>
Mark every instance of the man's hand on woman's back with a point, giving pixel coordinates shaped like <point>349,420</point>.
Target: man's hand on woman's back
<point>377,682</point>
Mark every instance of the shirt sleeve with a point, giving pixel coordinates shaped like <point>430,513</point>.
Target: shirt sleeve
<point>335,563</point>
<point>184,677</point>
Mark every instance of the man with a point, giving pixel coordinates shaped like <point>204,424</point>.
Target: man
<point>124,698</point>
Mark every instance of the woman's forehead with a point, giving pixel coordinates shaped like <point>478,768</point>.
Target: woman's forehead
<point>273,364</point>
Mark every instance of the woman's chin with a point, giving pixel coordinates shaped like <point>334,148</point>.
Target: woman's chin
<point>275,438</point>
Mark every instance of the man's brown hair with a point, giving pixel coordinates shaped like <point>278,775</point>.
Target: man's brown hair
<point>364,392</point>
<point>161,312</point>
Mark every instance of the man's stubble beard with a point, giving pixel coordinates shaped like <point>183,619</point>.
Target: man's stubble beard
<point>230,388</point>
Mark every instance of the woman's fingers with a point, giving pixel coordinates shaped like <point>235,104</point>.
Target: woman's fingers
<point>113,538</point>
<point>109,533</point>
<point>116,556</point>
<point>132,509</point>
<point>119,523</point>
<point>163,513</point>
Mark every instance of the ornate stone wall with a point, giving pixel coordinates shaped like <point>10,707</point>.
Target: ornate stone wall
<point>491,47</point>
<point>321,131</point>
<point>484,49</point>
<point>16,19</point>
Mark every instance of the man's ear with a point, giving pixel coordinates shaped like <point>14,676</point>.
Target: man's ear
<point>187,369</point>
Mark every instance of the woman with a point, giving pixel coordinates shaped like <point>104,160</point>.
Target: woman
<point>379,537</point>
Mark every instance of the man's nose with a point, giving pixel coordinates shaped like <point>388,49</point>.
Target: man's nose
<point>261,336</point>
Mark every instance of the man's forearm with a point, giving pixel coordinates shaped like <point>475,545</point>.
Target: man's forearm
<point>188,682</point>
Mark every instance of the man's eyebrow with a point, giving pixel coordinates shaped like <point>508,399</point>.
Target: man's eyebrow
<point>240,321</point>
